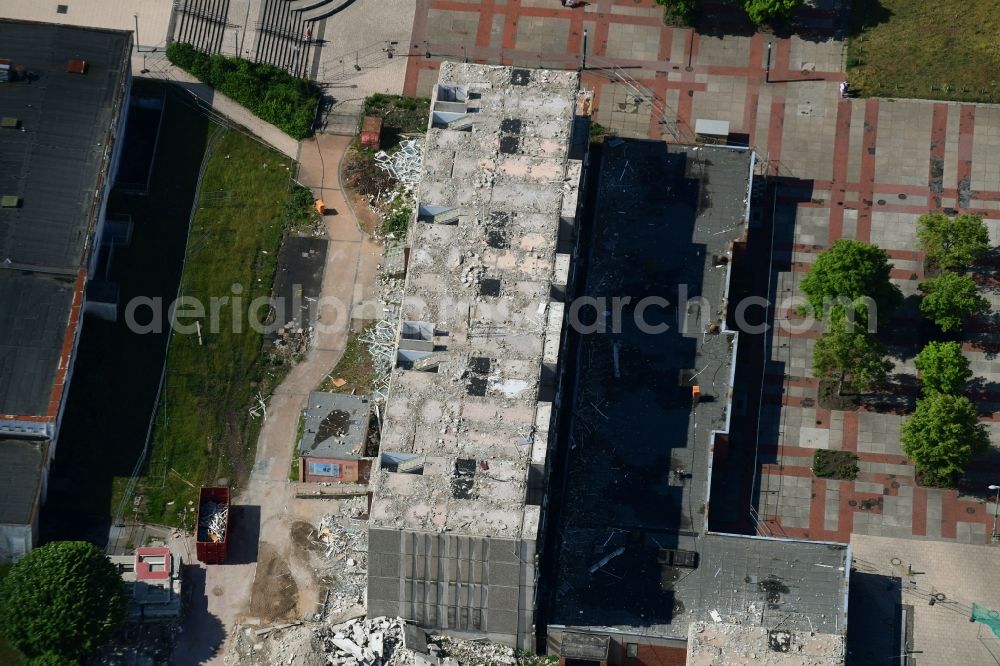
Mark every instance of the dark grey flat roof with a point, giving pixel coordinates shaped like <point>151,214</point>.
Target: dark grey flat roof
<point>21,464</point>
<point>638,470</point>
<point>336,425</point>
<point>35,310</point>
<point>53,161</point>
<point>53,164</point>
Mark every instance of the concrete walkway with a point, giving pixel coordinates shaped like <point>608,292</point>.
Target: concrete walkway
<point>156,66</point>
<point>227,595</point>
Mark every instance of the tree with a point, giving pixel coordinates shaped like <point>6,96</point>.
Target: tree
<point>768,11</point>
<point>951,300</point>
<point>854,271</point>
<point>942,436</point>
<point>953,243</point>
<point>61,600</point>
<point>943,368</point>
<point>850,356</point>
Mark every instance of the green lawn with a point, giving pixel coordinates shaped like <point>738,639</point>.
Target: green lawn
<point>946,50</point>
<point>203,428</point>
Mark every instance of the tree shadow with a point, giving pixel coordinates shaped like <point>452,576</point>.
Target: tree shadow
<point>897,396</point>
<point>865,14</point>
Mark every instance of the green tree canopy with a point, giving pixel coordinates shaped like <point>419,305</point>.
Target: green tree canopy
<point>942,436</point>
<point>943,368</point>
<point>61,600</point>
<point>951,300</point>
<point>852,270</point>
<point>767,11</point>
<point>850,356</point>
<point>953,242</point>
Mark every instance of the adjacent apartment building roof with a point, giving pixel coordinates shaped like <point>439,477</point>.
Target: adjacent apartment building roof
<point>467,411</point>
<point>635,554</point>
<point>60,110</point>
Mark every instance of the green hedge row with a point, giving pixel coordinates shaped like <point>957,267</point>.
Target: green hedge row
<point>270,93</point>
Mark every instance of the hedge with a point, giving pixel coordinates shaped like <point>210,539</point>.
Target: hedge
<point>270,93</point>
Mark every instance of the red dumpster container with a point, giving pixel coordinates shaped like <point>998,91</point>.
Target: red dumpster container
<point>212,528</point>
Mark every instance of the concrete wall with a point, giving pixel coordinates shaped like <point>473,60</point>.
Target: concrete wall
<point>465,586</point>
<point>16,541</point>
<point>624,649</point>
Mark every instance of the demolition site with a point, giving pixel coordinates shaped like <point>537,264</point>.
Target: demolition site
<point>546,486</point>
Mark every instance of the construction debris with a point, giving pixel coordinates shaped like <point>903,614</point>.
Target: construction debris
<point>341,541</point>
<point>404,165</point>
<point>212,522</point>
<point>379,641</point>
<point>380,341</point>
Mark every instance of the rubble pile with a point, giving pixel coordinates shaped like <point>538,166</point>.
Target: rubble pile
<point>212,521</point>
<point>403,165</point>
<point>475,652</point>
<point>291,341</point>
<point>344,537</point>
<point>378,641</point>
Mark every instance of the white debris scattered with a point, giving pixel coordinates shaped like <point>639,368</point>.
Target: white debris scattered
<point>212,521</point>
<point>404,165</point>
<point>378,641</point>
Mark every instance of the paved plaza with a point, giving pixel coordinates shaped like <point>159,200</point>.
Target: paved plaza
<point>846,168</point>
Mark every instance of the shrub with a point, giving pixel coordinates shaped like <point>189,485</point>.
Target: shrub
<point>829,464</point>
<point>681,12</point>
<point>397,218</point>
<point>270,93</point>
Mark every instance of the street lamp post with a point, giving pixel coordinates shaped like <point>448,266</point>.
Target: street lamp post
<point>996,509</point>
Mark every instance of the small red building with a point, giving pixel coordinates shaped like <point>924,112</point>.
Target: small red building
<point>371,132</point>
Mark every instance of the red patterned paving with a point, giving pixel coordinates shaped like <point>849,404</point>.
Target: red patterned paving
<point>966,126</point>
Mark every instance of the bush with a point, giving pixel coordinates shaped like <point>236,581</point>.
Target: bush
<point>397,219</point>
<point>61,601</point>
<point>770,11</point>
<point>829,464</point>
<point>270,93</point>
<point>680,12</point>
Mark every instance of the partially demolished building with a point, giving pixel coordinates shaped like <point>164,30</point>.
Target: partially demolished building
<point>488,519</point>
<point>455,516</point>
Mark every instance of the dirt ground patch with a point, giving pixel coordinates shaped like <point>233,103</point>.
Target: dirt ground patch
<point>275,594</point>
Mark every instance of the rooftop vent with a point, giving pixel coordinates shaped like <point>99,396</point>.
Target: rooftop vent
<point>62,9</point>
<point>76,66</point>
<point>10,123</point>
<point>10,202</point>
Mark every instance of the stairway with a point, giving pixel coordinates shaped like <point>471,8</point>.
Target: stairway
<point>201,23</point>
